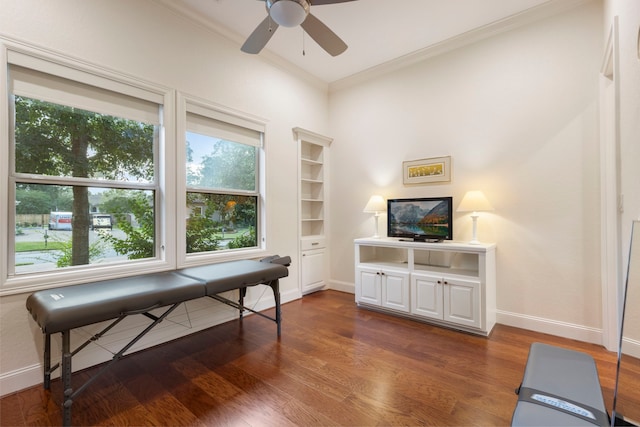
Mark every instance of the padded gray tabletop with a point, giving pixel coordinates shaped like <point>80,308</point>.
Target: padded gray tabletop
<point>69,307</point>
<point>564,373</point>
<point>235,274</point>
<point>550,372</point>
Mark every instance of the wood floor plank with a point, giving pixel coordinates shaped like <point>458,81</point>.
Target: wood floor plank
<point>11,409</point>
<point>335,364</point>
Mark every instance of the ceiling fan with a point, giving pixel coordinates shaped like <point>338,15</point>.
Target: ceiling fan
<point>291,13</point>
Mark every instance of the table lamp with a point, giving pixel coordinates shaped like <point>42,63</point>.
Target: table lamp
<point>474,201</point>
<point>376,205</point>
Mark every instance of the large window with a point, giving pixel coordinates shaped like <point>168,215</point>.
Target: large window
<point>82,179</point>
<point>222,182</point>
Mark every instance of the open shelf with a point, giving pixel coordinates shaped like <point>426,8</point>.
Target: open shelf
<point>313,159</point>
<point>380,254</point>
<point>311,153</point>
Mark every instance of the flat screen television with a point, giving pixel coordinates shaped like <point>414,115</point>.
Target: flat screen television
<point>426,219</point>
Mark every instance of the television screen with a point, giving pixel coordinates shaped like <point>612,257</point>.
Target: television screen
<point>420,219</point>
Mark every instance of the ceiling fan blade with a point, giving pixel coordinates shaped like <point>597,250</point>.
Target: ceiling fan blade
<point>326,38</point>
<point>321,2</point>
<point>260,36</point>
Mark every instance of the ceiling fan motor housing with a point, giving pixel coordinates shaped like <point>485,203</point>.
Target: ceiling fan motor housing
<point>288,13</point>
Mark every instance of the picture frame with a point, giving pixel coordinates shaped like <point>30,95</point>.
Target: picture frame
<point>427,171</point>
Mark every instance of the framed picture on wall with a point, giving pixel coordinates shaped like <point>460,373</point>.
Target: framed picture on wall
<point>427,171</point>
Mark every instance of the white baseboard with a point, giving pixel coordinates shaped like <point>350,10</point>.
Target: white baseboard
<point>200,319</point>
<point>20,379</point>
<point>551,327</point>
<point>342,286</point>
<point>631,347</point>
<point>532,323</point>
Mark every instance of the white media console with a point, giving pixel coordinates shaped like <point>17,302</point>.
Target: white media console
<point>450,284</point>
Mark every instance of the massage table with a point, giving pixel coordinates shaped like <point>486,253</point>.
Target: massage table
<point>59,310</point>
<point>560,387</point>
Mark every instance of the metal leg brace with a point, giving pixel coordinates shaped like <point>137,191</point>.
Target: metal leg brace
<point>274,285</point>
<point>67,355</point>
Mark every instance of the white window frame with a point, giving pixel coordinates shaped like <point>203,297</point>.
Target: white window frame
<point>79,71</point>
<point>188,103</point>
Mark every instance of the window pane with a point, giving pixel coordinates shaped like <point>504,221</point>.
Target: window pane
<point>214,163</point>
<point>221,222</point>
<point>60,226</point>
<point>57,140</point>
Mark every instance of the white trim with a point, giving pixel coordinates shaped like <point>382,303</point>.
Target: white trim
<point>20,379</point>
<point>531,323</point>
<point>69,69</point>
<point>521,19</point>
<point>5,193</point>
<point>307,135</point>
<point>549,326</point>
<point>339,285</point>
<point>610,235</point>
<point>631,347</point>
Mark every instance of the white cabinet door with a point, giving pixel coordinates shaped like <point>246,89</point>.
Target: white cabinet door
<point>395,290</point>
<point>462,302</point>
<point>427,296</point>
<point>368,286</point>
<point>312,270</point>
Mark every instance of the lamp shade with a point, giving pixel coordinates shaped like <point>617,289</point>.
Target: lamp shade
<point>474,201</point>
<point>376,204</point>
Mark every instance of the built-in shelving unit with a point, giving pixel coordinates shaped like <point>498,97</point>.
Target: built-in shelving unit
<point>313,157</point>
<point>450,284</point>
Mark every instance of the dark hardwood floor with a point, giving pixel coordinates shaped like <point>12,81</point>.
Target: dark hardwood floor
<point>335,364</point>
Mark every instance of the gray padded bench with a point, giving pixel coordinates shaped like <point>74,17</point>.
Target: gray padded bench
<point>560,387</point>
<point>60,310</point>
<point>216,280</point>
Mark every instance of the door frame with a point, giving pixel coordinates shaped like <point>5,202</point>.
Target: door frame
<point>610,202</point>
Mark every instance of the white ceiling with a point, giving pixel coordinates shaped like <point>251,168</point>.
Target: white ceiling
<point>376,31</point>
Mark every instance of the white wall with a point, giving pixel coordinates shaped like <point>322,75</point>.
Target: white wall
<point>148,41</point>
<point>518,113</point>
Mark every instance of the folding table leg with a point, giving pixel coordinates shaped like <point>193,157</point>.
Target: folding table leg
<point>66,378</point>
<point>47,361</point>
<point>242,294</point>
<point>275,285</point>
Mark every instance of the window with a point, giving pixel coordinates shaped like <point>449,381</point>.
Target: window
<point>83,181</point>
<point>222,181</point>
<point>96,185</point>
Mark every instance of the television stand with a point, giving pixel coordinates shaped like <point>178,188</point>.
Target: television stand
<point>450,284</point>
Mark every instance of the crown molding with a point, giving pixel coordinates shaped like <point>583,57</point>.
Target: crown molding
<point>545,10</point>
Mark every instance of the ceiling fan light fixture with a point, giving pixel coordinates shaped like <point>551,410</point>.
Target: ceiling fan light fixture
<point>288,13</point>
